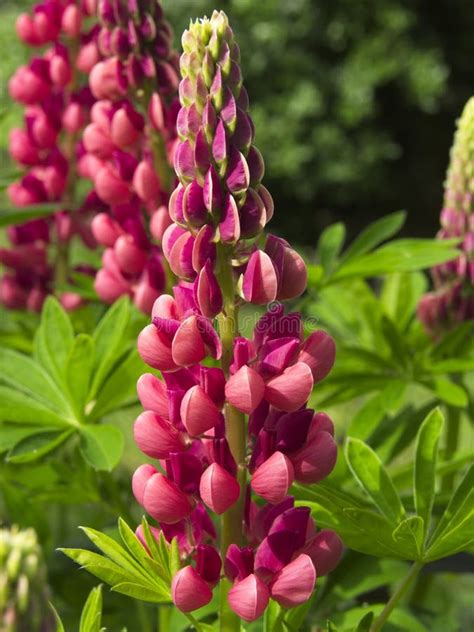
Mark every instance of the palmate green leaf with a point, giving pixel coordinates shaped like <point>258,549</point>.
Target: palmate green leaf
<point>24,374</point>
<point>403,255</point>
<point>451,365</point>
<point>37,445</point>
<point>459,505</point>
<point>375,234</point>
<point>78,371</point>
<point>457,342</point>
<point>369,416</point>
<point>142,592</point>
<point>14,216</point>
<point>400,296</point>
<point>99,566</point>
<point>152,568</point>
<point>399,617</point>
<point>11,434</point>
<point>410,536</point>
<point>369,472</point>
<point>330,245</point>
<point>459,538</point>
<point>425,465</point>
<point>101,446</point>
<point>119,390</point>
<point>109,341</point>
<point>91,616</point>
<point>447,391</point>
<point>15,406</point>
<point>395,341</point>
<point>372,534</point>
<point>54,339</point>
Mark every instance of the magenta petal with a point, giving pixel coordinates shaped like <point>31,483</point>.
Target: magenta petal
<point>155,436</point>
<point>155,349</point>
<point>273,478</point>
<point>319,353</point>
<point>238,562</point>
<point>184,161</point>
<point>219,144</point>
<point>316,459</point>
<point>208,563</point>
<point>280,357</point>
<point>186,470</point>
<point>170,237</point>
<point>259,284</point>
<point>292,430</point>
<point>139,480</point>
<point>152,394</point>
<point>252,215</point>
<point>273,553</point>
<point>325,551</point>
<point>294,584</point>
<point>193,205</point>
<point>188,347</point>
<point>201,153</point>
<point>245,389</point>
<point>212,191</point>
<point>204,248</point>
<point>238,175</point>
<point>198,411</point>
<point>213,382</point>
<point>294,277</point>
<point>256,165</point>
<point>181,257</point>
<point>229,111</point>
<point>164,501</point>
<point>219,490</point>
<point>210,337</point>
<point>208,293</point>
<point>243,135</point>
<point>249,598</point>
<point>189,591</point>
<point>294,520</point>
<point>290,390</point>
<point>267,201</point>
<point>176,205</point>
<point>229,226</point>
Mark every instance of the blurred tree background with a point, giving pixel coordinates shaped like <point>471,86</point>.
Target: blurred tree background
<point>354,101</point>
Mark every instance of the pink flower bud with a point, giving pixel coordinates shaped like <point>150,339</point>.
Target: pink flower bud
<point>28,87</point>
<point>156,112</point>
<point>157,437</point>
<point>160,220</point>
<point>207,292</point>
<point>290,390</point>
<point>36,298</point>
<point>245,389</point>
<point>189,591</point>
<point>104,80</point>
<point>152,394</point>
<point>316,459</point>
<point>44,132</point>
<point>130,258</point>
<point>73,118</point>
<point>123,131</point>
<point>87,57</point>
<point>325,551</point>
<point>164,501</point>
<point>273,478</point>
<point>259,283</point>
<point>294,276</point>
<point>146,183</point>
<point>140,478</point>
<point>71,22</point>
<point>110,286</point>
<point>219,490</point>
<point>60,71</point>
<point>97,141</point>
<point>71,301</point>
<point>21,148</point>
<point>249,598</point>
<point>155,349</point>
<point>26,31</point>
<point>106,230</point>
<point>111,188</point>
<point>294,584</point>
<point>12,295</point>
<point>188,345</point>
<point>198,411</point>
<point>318,352</point>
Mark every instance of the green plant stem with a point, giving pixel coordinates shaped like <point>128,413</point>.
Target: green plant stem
<point>383,617</point>
<point>164,618</point>
<point>452,439</point>
<point>232,520</point>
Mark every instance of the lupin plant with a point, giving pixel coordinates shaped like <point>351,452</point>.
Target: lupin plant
<point>130,144</point>
<point>452,301</point>
<point>53,89</point>
<point>23,590</point>
<point>228,422</point>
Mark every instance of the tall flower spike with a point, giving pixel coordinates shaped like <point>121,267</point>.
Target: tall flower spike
<point>130,145</point>
<point>53,89</point>
<point>452,300</point>
<point>195,423</point>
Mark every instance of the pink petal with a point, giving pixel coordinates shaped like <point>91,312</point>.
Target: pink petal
<point>164,501</point>
<point>188,347</point>
<point>219,490</point>
<point>318,352</point>
<point>249,598</point>
<point>189,591</point>
<point>259,284</point>
<point>245,389</point>
<point>294,584</point>
<point>198,411</point>
<point>273,478</point>
<point>290,390</point>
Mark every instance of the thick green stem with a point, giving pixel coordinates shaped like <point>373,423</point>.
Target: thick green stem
<point>452,439</point>
<point>382,619</point>
<point>232,520</point>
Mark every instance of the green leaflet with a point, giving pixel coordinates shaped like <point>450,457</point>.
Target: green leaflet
<point>101,446</point>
